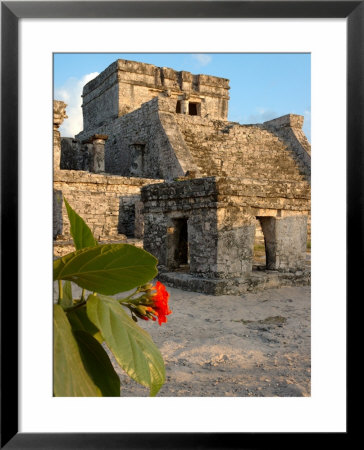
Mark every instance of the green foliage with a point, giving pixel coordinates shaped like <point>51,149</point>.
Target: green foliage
<point>132,346</point>
<point>108,269</point>
<point>79,321</point>
<point>81,234</point>
<point>98,364</point>
<point>83,326</point>
<point>70,377</point>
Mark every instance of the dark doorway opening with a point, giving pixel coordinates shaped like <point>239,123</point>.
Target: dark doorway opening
<point>259,256</point>
<point>178,107</point>
<point>178,248</point>
<point>126,223</point>
<point>268,228</point>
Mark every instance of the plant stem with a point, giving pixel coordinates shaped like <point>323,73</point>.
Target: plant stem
<point>83,294</point>
<point>122,300</point>
<point>60,291</point>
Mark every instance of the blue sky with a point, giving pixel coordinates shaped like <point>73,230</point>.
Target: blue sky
<point>262,85</point>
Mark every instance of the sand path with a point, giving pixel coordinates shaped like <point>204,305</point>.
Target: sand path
<point>256,345</point>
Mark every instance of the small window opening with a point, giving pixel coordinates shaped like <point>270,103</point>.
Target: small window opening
<point>193,109</point>
<point>178,107</point>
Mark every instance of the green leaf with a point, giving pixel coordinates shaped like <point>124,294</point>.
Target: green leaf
<point>108,269</point>
<point>67,300</point>
<point>132,346</point>
<point>70,378</point>
<point>80,232</point>
<point>98,364</point>
<point>79,321</point>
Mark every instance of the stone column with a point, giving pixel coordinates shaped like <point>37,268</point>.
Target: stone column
<point>97,160</point>
<point>221,242</point>
<point>184,103</point>
<point>285,242</point>
<point>184,106</point>
<point>59,114</point>
<point>235,251</point>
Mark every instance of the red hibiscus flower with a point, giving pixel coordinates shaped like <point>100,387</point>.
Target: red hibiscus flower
<point>152,304</point>
<point>160,300</point>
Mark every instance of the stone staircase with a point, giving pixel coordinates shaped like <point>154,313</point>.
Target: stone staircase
<point>247,151</point>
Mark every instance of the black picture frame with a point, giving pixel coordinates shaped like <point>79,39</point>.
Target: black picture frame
<point>11,12</point>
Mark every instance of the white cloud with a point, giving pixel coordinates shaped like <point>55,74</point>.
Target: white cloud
<point>262,115</point>
<point>202,58</point>
<point>71,93</point>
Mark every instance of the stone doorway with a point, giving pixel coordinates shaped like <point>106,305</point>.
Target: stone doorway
<point>177,245</point>
<point>268,229</point>
<point>259,250</point>
<point>285,241</point>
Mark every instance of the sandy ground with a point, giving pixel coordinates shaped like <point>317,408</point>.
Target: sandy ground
<point>252,345</point>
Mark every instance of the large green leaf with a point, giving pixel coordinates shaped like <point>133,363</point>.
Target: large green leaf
<point>70,378</point>
<point>108,269</point>
<point>59,263</point>
<point>79,321</point>
<point>98,364</point>
<point>132,346</point>
<point>80,232</point>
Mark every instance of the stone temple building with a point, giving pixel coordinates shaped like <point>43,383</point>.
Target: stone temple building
<point>158,160</point>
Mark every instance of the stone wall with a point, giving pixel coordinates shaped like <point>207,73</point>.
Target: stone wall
<point>220,215</point>
<point>103,201</point>
<point>145,143</point>
<point>74,155</point>
<point>288,129</point>
<point>125,85</point>
<point>155,142</point>
<point>100,98</point>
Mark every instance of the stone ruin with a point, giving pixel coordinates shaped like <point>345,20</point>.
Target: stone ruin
<point>158,159</point>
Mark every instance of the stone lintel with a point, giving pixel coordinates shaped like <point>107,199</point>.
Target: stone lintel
<point>95,137</point>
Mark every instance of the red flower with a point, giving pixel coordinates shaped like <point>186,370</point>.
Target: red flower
<point>152,304</point>
<point>160,299</point>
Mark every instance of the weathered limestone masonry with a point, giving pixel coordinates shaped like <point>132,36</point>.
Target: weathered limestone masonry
<point>110,204</point>
<point>125,85</point>
<point>145,143</point>
<point>207,227</point>
<point>225,184</point>
<point>59,114</point>
<point>105,202</point>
